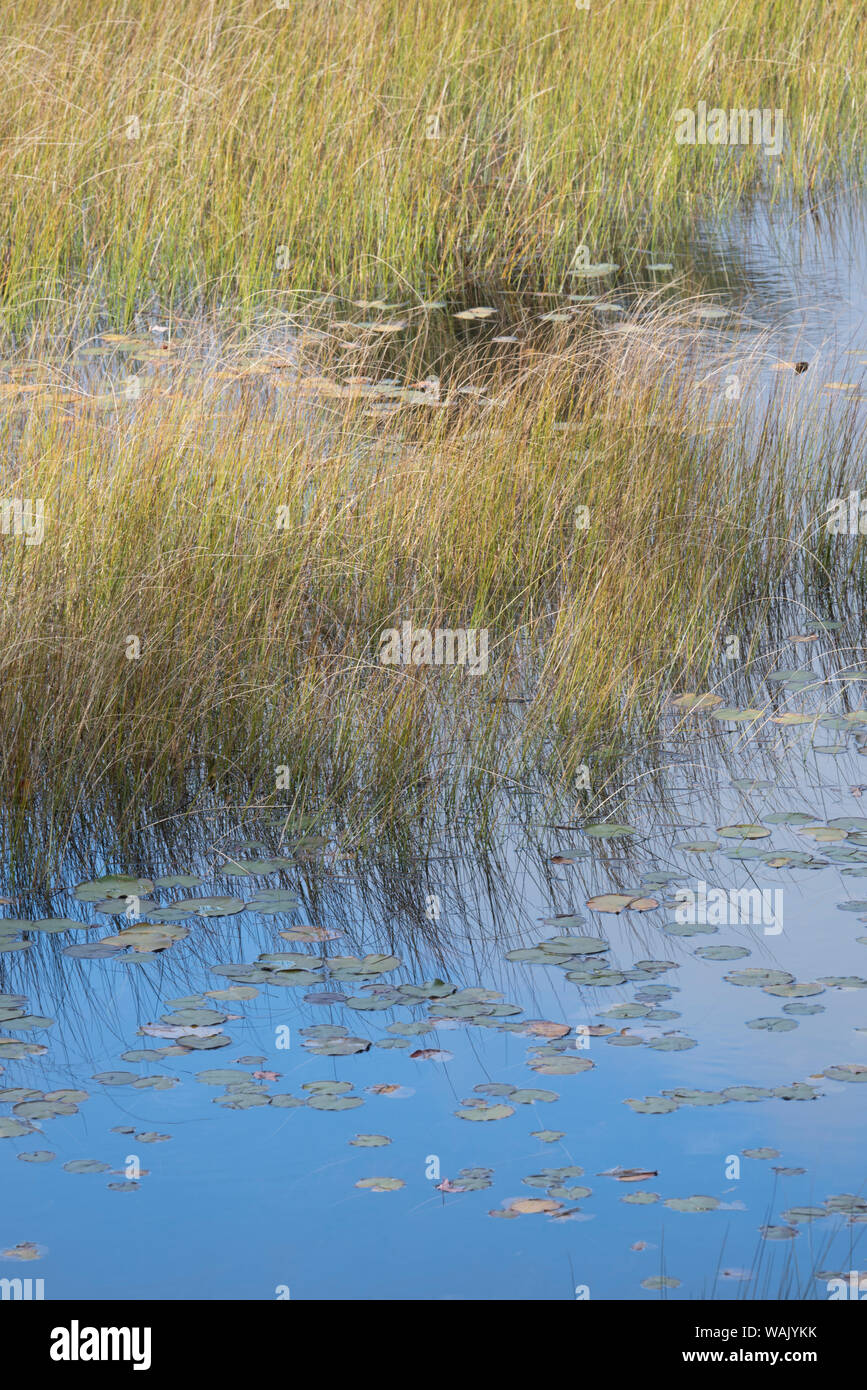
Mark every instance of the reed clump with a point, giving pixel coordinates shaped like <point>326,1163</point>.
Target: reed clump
<point>220,563</point>
<point>250,154</point>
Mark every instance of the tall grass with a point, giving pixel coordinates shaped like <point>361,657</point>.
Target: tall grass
<point>260,641</point>
<point>247,154</point>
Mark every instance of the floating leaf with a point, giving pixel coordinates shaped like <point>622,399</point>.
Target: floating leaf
<point>113,886</point>
<point>797,1216</point>
<point>755,976</point>
<point>561,1066</point>
<point>773,1025</point>
<point>612,902</point>
<point>798,990</point>
<point>486,1112</point>
<point>693,702</point>
<point>747,1093</point>
<point>652,1105</point>
<point>542,1028</point>
<point>212,907</point>
<point>692,1204</point>
<point>605,830</point>
<point>721,952</point>
<point>13,1129</point>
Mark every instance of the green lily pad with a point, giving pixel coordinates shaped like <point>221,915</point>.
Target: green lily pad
<point>199,1018</point>
<point>793,991</point>
<point>773,1025</point>
<point>222,1076</point>
<point>43,1109</point>
<point>755,976</point>
<point>331,1102</point>
<point>217,906</point>
<point>847,1071</point>
<point>692,1204</point>
<point>686,1095</point>
<point>242,1100</point>
<point>652,1105</point>
<point>721,952</point>
<point>113,886</point>
<point>486,1112</point>
<point>798,1216</point>
<point>13,1129</point>
<point>561,1066</point>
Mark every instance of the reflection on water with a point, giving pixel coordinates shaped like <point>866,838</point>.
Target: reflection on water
<point>210,1046</point>
<point>612,1043</point>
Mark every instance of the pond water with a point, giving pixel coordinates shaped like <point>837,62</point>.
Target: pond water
<point>201,1107</point>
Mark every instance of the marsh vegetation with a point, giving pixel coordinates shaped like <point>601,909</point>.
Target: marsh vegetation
<point>326,322</point>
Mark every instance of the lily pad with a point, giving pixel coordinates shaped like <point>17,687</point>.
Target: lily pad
<point>486,1112</point>
<point>692,1204</point>
<point>652,1105</point>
